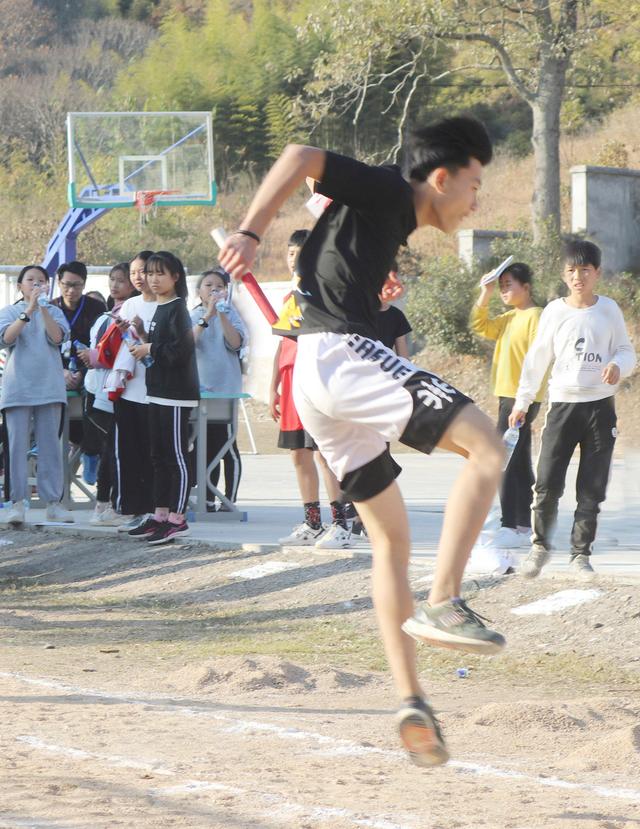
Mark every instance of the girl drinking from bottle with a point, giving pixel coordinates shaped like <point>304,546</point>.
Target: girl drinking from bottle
<point>219,334</point>
<point>172,391</point>
<point>33,389</point>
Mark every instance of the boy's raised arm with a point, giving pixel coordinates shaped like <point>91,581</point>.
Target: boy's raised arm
<point>296,164</point>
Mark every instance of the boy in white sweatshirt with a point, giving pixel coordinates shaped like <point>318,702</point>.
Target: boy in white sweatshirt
<point>586,337</point>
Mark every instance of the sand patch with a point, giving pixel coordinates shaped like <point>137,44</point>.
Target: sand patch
<point>241,674</point>
<point>618,751</point>
<point>517,717</point>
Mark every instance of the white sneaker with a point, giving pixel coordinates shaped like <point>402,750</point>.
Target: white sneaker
<point>336,537</point>
<point>98,511</point>
<point>303,535</point>
<point>581,566</point>
<point>16,514</point>
<point>507,538</point>
<point>533,563</point>
<point>132,524</point>
<point>111,518</point>
<point>56,512</point>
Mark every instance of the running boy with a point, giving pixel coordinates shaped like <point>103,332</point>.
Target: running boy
<point>585,334</point>
<point>354,394</point>
<point>513,333</point>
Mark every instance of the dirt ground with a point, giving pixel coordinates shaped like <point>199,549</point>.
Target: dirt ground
<point>190,686</point>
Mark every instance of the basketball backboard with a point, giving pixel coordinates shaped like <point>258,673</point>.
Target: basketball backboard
<point>116,156</point>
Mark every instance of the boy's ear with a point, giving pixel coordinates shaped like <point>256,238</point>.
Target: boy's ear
<point>438,179</point>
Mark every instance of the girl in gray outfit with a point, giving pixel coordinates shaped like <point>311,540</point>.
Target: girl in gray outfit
<point>219,335</point>
<point>33,388</point>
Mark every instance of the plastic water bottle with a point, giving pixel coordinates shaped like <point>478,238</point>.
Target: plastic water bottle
<point>43,301</point>
<point>222,306</point>
<point>510,440</point>
<point>130,337</point>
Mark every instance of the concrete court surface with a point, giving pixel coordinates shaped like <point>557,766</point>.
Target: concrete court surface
<point>268,494</point>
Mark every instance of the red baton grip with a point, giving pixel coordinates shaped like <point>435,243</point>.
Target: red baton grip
<point>259,298</point>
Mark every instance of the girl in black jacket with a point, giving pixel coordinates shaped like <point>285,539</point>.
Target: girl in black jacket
<point>172,391</point>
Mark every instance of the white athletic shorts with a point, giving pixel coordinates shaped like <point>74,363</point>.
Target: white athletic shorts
<point>354,395</point>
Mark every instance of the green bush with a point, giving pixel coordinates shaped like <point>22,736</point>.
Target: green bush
<point>440,296</point>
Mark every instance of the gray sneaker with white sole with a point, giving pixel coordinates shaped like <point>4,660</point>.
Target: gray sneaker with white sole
<point>453,625</point>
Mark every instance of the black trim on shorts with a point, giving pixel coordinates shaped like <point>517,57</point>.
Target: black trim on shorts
<point>435,404</point>
<point>296,439</point>
<point>371,479</point>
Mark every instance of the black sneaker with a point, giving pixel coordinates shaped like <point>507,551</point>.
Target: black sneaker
<point>420,733</point>
<point>454,625</point>
<point>167,531</point>
<point>146,528</point>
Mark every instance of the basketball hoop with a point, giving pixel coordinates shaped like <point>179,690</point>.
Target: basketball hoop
<point>145,199</point>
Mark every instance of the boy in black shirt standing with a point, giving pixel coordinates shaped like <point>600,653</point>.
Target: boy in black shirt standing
<point>354,394</point>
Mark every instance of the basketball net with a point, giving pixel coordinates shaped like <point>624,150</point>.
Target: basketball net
<point>145,203</point>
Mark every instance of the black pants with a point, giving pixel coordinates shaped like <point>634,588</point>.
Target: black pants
<point>217,436</point>
<point>133,470</point>
<point>169,432</point>
<point>516,492</point>
<point>592,426</point>
<point>103,424</point>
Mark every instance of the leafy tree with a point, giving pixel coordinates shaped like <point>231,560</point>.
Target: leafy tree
<point>532,45</point>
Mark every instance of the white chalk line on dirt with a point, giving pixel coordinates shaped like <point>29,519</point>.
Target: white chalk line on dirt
<point>331,746</point>
<point>555,602</point>
<point>29,823</point>
<point>285,807</point>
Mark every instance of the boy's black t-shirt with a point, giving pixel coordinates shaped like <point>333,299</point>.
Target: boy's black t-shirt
<point>347,258</point>
<point>392,324</point>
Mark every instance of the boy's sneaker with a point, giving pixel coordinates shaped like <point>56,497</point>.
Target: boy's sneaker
<point>420,733</point>
<point>507,538</point>
<point>534,561</point>
<point>581,566</point>
<point>15,516</point>
<point>56,512</point>
<point>132,524</point>
<point>147,527</point>
<point>167,531</point>
<point>335,538</point>
<point>303,536</point>
<point>453,625</point>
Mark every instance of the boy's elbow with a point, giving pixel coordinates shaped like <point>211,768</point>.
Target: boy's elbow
<point>309,159</point>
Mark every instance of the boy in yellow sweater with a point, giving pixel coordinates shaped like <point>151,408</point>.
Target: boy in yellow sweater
<point>514,333</point>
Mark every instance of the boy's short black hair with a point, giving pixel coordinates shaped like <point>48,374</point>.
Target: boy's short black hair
<point>75,267</point>
<point>520,272</point>
<point>298,238</point>
<point>581,252</point>
<point>451,143</point>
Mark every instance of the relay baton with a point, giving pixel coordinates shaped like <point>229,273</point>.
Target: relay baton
<point>250,281</point>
